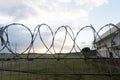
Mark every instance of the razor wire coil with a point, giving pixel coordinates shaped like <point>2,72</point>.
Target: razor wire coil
<point>68,32</point>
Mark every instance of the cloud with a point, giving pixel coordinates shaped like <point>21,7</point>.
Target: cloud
<point>48,11</point>
<point>65,1</point>
<point>10,4</point>
<point>53,12</point>
<point>5,18</point>
<point>15,8</point>
<point>62,15</point>
<point>91,3</point>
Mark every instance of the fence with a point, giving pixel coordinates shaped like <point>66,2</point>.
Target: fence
<point>56,65</point>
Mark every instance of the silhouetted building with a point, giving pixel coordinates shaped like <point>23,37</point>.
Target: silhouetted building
<point>108,44</point>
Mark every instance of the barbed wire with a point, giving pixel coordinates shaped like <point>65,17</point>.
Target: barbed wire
<point>68,33</point>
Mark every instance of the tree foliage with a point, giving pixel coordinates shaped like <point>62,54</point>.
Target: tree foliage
<point>87,53</point>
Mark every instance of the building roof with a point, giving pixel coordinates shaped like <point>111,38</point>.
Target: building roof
<point>109,32</point>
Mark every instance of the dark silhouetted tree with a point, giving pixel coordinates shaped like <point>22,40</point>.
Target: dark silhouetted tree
<point>86,52</point>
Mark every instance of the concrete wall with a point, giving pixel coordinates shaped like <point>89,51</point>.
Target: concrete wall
<point>111,41</point>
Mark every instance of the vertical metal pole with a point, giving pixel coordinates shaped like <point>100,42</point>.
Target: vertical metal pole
<point>10,75</point>
<point>64,69</point>
<point>37,74</point>
<point>28,69</point>
<point>19,67</point>
<point>109,68</point>
<point>1,77</point>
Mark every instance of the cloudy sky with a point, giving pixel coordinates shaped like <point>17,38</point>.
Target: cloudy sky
<point>75,13</point>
